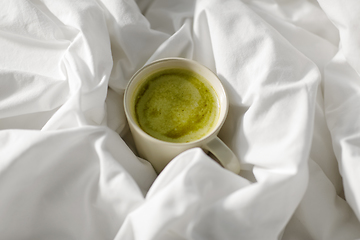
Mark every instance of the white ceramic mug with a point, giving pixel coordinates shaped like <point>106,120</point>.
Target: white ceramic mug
<point>159,153</point>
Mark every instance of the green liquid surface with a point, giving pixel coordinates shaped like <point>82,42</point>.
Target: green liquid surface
<point>176,105</point>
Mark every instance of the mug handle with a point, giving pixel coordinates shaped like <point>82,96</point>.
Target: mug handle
<point>224,154</point>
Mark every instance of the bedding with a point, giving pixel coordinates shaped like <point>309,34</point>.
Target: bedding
<point>68,165</point>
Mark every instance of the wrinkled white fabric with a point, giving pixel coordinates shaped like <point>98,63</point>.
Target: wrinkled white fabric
<point>68,165</point>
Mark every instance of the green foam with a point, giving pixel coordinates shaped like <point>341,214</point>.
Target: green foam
<point>176,105</point>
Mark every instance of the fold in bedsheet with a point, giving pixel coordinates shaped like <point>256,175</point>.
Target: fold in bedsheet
<point>68,165</point>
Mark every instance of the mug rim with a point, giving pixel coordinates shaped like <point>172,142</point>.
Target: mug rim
<point>209,136</point>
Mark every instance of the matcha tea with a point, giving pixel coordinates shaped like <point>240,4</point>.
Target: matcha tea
<point>176,105</point>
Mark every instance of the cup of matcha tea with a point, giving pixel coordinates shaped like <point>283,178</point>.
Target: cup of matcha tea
<point>174,104</point>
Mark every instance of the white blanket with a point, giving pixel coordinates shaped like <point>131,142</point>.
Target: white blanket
<point>68,165</point>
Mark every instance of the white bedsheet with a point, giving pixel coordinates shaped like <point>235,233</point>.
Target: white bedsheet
<point>68,166</point>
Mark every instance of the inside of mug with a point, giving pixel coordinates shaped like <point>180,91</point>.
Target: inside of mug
<point>141,76</point>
